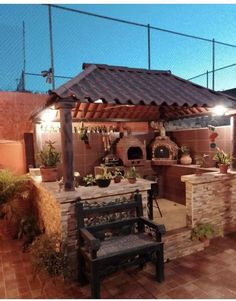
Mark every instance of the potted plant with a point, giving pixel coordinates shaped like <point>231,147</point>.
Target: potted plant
<point>104,179</point>
<point>185,158</point>
<point>83,133</point>
<point>47,256</point>
<point>89,180</point>
<point>49,158</point>
<point>117,175</point>
<point>223,160</point>
<point>131,175</point>
<point>14,200</point>
<point>203,232</point>
<point>28,230</point>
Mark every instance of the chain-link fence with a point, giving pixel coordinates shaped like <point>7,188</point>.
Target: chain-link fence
<point>77,38</point>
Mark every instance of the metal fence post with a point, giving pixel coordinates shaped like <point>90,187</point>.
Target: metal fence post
<point>207,78</point>
<point>149,47</point>
<point>213,64</point>
<point>51,44</point>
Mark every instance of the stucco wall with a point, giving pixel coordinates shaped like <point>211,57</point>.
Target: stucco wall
<point>15,111</point>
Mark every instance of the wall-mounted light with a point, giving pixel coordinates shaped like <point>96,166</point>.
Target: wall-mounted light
<point>219,110</point>
<point>49,115</point>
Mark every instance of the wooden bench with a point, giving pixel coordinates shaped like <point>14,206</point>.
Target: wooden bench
<point>115,234</point>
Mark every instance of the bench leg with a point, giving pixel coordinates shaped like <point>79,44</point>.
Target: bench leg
<point>160,264</point>
<point>81,269</point>
<point>95,282</point>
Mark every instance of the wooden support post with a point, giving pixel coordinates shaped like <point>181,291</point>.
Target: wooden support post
<point>233,142</point>
<point>65,108</point>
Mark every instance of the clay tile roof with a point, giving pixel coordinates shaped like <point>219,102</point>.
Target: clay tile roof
<point>123,85</point>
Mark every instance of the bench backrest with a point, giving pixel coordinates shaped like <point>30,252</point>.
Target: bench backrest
<point>117,215</point>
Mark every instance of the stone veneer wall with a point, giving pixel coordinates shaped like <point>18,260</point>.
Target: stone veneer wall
<point>211,198</point>
<point>178,243</point>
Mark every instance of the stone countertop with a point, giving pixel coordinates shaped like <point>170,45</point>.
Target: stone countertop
<point>195,166</point>
<point>208,177</point>
<point>94,192</point>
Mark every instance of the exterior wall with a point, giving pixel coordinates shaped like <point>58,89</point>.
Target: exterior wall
<point>178,243</point>
<point>12,156</point>
<point>173,189</point>
<point>199,143</point>
<point>15,111</point>
<point>86,157</point>
<point>211,198</point>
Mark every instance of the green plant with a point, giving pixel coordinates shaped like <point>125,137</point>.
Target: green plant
<point>10,185</point>
<point>185,150</point>
<point>46,255</point>
<point>105,175</point>
<point>221,157</point>
<point>117,173</point>
<point>203,231</point>
<point>49,157</point>
<point>131,173</point>
<point>11,212</point>
<point>89,180</point>
<point>29,230</point>
<point>84,134</point>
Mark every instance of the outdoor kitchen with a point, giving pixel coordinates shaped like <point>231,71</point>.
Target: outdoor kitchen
<point>97,138</point>
<point>118,151</point>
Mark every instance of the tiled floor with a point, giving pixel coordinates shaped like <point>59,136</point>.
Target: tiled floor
<point>207,274</point>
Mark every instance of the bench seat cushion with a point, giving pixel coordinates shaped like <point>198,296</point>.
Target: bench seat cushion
<point>125,243</point>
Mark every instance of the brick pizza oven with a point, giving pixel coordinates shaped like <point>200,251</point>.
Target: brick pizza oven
<point>164,151</point>
<point>131,151</point>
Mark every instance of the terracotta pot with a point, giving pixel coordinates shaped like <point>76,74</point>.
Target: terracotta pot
<point>185,159</point>
<point>131,180</point>
<point>49,174</point>
<point>223,168</point>
<point>206,241</point>
<point>117,179</point>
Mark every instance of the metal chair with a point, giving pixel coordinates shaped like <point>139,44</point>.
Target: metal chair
<point>154,193</point>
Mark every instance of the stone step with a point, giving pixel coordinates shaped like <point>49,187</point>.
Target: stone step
<point>178,243</point>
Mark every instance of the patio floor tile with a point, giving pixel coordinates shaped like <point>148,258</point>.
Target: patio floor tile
<point>207,274</point>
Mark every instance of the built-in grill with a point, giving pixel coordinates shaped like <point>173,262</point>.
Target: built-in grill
<point>164,151</point>
<point>131,151</point>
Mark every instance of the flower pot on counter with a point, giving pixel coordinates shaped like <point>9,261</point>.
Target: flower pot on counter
<point>49,174</point>
<point>223,168</point>
<point>206,241</point>
<point>185,159</point>
<point>131,180</point>
<point>117,179</point>
<point>102,183</point>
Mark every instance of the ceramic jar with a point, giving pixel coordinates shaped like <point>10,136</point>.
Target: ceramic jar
<point>185,159</point>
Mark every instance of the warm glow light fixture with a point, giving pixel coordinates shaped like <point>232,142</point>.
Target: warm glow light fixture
<point>98,101</point>
<point>48,115</point>
<point>219,110</point>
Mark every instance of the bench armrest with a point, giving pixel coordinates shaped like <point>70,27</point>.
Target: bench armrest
<point>159,228</point>
<point>93,242</point>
